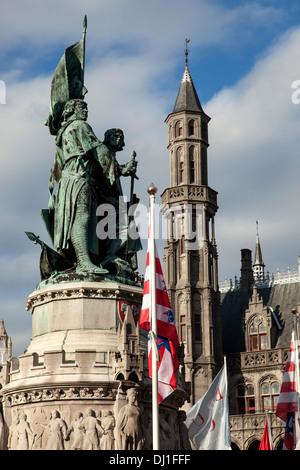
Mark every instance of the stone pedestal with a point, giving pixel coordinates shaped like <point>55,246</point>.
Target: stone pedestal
<point>86,360</point>
<point>79,315</point>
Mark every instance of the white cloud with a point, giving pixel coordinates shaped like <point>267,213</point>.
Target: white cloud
<point>131,52</point>
<point>255,158</point>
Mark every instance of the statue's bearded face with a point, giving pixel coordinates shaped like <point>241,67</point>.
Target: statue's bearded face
<point>81,111</point>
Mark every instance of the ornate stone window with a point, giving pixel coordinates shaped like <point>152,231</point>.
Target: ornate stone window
<point>197,327</point>
<point>245,398</point>
<point>178,129</point>
<point>180,165</point>
<point>258,333</point>
<point>257,324</point>
<point>204,133</point>
<point>192,163</point>
<point>182,245</point>
<point>270,390</point>
<point>192,127</point>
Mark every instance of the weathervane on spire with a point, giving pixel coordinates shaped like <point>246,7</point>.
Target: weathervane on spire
<point>186,51</point>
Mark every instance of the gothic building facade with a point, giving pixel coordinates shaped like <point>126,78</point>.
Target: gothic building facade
<point>248,320</point>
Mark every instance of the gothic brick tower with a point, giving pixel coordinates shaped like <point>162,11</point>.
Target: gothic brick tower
<point>190,255</point>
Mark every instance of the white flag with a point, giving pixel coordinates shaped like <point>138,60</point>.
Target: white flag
<point>208,420</point>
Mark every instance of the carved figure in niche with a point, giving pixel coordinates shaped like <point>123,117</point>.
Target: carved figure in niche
<point>78,436</point>
<point>91,427</point>
<point>12,443</point>
<point>129,424</point>
<point>183,432</point>
<point>23,432</point>
<point>58,432</point>
<point>108,426</point>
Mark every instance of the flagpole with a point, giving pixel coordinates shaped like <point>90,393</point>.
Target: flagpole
<point>84,28</point>
<point>152,190</point>
<point>294,312</point>
<point>268,416</point>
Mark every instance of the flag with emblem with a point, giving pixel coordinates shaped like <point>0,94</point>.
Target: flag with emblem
<point>165,318</point>
<point>208,420</point>
<point>287,403</point>
<point>167,338</point>
<point>167,366</point>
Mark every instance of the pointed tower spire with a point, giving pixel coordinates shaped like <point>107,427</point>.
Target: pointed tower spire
<point>192,273</point>
<point>187,98</point>
<point>258,265</point>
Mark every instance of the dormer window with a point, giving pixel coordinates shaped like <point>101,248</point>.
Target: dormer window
<point>258,334</point>
<point>259,326</point>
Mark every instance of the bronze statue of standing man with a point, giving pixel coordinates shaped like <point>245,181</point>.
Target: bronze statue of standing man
<point>87,174</point>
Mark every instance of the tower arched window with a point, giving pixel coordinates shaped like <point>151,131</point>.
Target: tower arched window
<point>192,127</point>
<point>192,163</point>
<point>258,333</point>
<point>180,163</point>
<point>178,129</point>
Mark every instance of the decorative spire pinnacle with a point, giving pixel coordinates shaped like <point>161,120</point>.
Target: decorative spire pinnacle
<point>186,76</point>
<point>187,98</point>
<point>186,51</point>
<point>258,264</point>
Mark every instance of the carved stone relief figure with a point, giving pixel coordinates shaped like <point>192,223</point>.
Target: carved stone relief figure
<point>78,435</point>
<point>91,427</point>
<point>39,425</point>
<point>13,433</point>
<point>58,432</point>
<point>24,433</point>
<point>108,426</point>
<point>129,424</point>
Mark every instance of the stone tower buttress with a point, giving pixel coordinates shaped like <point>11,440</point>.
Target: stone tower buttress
<point>190,255</point>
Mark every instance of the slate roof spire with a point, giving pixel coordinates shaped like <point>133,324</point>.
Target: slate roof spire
<point>187,98</point>
<point>258,259</point>
<point>258,264</point>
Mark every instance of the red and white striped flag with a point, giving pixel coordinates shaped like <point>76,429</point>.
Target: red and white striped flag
<point>167,338</point>
<point>165,318</point>
<point>287,405</point>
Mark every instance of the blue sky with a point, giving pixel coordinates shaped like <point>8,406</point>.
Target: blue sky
<point>243,58</point>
